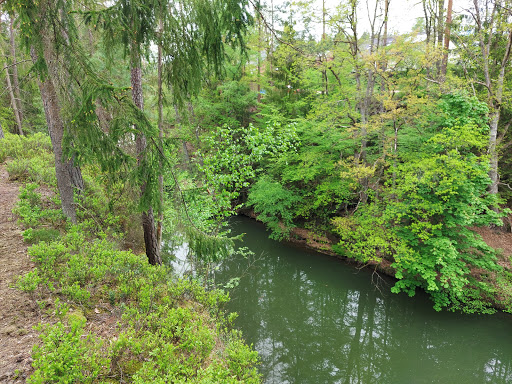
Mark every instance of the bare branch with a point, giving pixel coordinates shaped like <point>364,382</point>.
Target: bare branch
<point>505,184</point>
<point>273,31</point>
<point>433,81</point>
<point>14,64</point>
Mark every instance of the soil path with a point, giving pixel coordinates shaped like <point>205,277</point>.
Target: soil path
<point>18,313</point>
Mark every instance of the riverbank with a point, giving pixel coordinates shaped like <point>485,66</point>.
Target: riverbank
<point>316,319</point>
<point>494,237</point>
<point>77,308</point>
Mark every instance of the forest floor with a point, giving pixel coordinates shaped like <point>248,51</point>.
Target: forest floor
<point>496,238</point>
<point>18,312</point>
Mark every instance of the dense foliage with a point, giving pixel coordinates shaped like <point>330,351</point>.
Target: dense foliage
<point>391,145</point>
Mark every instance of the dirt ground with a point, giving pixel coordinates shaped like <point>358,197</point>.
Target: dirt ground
<point>18,312</point>
<point>497,238</point>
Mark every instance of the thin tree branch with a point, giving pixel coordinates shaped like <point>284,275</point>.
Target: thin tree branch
<point>505,184</point>
<point>274,32</point>
<point>13,64</point>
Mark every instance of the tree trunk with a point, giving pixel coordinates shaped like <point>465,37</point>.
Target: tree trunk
<point>440,15</point>
<point>148,220</point>
<point>15,78</point>
<point>444,65</point>
<point>10,90</point>
<point>63,169</point>
<point>161,137</point>
<point>493,153</point>
<point>485,26</point>
<point>1,132</point>
<point>258,15</point>
<point>13,101</point>
<point>495,118</point>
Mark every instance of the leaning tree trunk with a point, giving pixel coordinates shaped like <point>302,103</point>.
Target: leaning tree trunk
<point>148,220</point>
<point>10,90</point>
<point>15,78</point>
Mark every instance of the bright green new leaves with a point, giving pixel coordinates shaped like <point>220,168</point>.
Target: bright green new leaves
<point>430,211</point>
<point>422,223</point>
<point>274,206</point>
<point>229,164</point>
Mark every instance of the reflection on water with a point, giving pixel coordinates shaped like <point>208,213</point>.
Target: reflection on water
<point>314,319</point>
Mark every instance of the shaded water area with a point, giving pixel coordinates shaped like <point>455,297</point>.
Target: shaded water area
<point>316,319</point>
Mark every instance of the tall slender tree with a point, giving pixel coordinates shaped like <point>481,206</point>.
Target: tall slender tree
<point>15,77</point>
<point>10,87</point>
<point>448,26</point>
<point>43,27</point>
<point>492,28</point>
<point>189,36</point>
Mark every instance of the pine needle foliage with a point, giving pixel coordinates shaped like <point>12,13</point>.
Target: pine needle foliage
<point>192,35</point>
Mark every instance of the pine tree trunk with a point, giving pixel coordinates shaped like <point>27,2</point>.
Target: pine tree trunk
<point>1,132</point>
<point>161,137</point>
<point>15,78</point>
<point>444,65</point>
<point>63,169</point>
<point>148,220</point>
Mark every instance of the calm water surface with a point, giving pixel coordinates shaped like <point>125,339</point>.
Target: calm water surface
<point>314,319</point>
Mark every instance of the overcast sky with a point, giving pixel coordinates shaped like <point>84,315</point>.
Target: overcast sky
<point>402,13</point>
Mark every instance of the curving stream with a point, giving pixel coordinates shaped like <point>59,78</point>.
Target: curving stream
<point>315,319</point>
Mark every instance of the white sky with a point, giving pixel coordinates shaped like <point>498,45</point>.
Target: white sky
<point>402,13</point>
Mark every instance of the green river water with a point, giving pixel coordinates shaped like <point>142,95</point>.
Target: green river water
<point>315,319</point>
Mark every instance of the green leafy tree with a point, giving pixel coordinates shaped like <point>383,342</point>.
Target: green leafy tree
<point>422,222</point>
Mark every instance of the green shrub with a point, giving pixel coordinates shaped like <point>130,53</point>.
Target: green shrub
<point>274,205</point>
<point>31,158</point>
<point>30,281</point>
<point>19,147</point>
<point>65,356</point>
<point>169,331</point>
<point>34,236</point>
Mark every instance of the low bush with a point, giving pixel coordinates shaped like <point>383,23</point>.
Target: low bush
<point>169,330</point>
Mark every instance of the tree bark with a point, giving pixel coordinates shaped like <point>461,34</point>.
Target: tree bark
<point>161,137</point>
<point>15,78</point>
<point>63,169</point>
<point>148,220</point>
<point>486,26</point>
<point>440,15</point>
<point>13,101</point>
<point>258,76</point>
<point>447,30</point>
<point>10,90</point>
<point>493,153</point>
